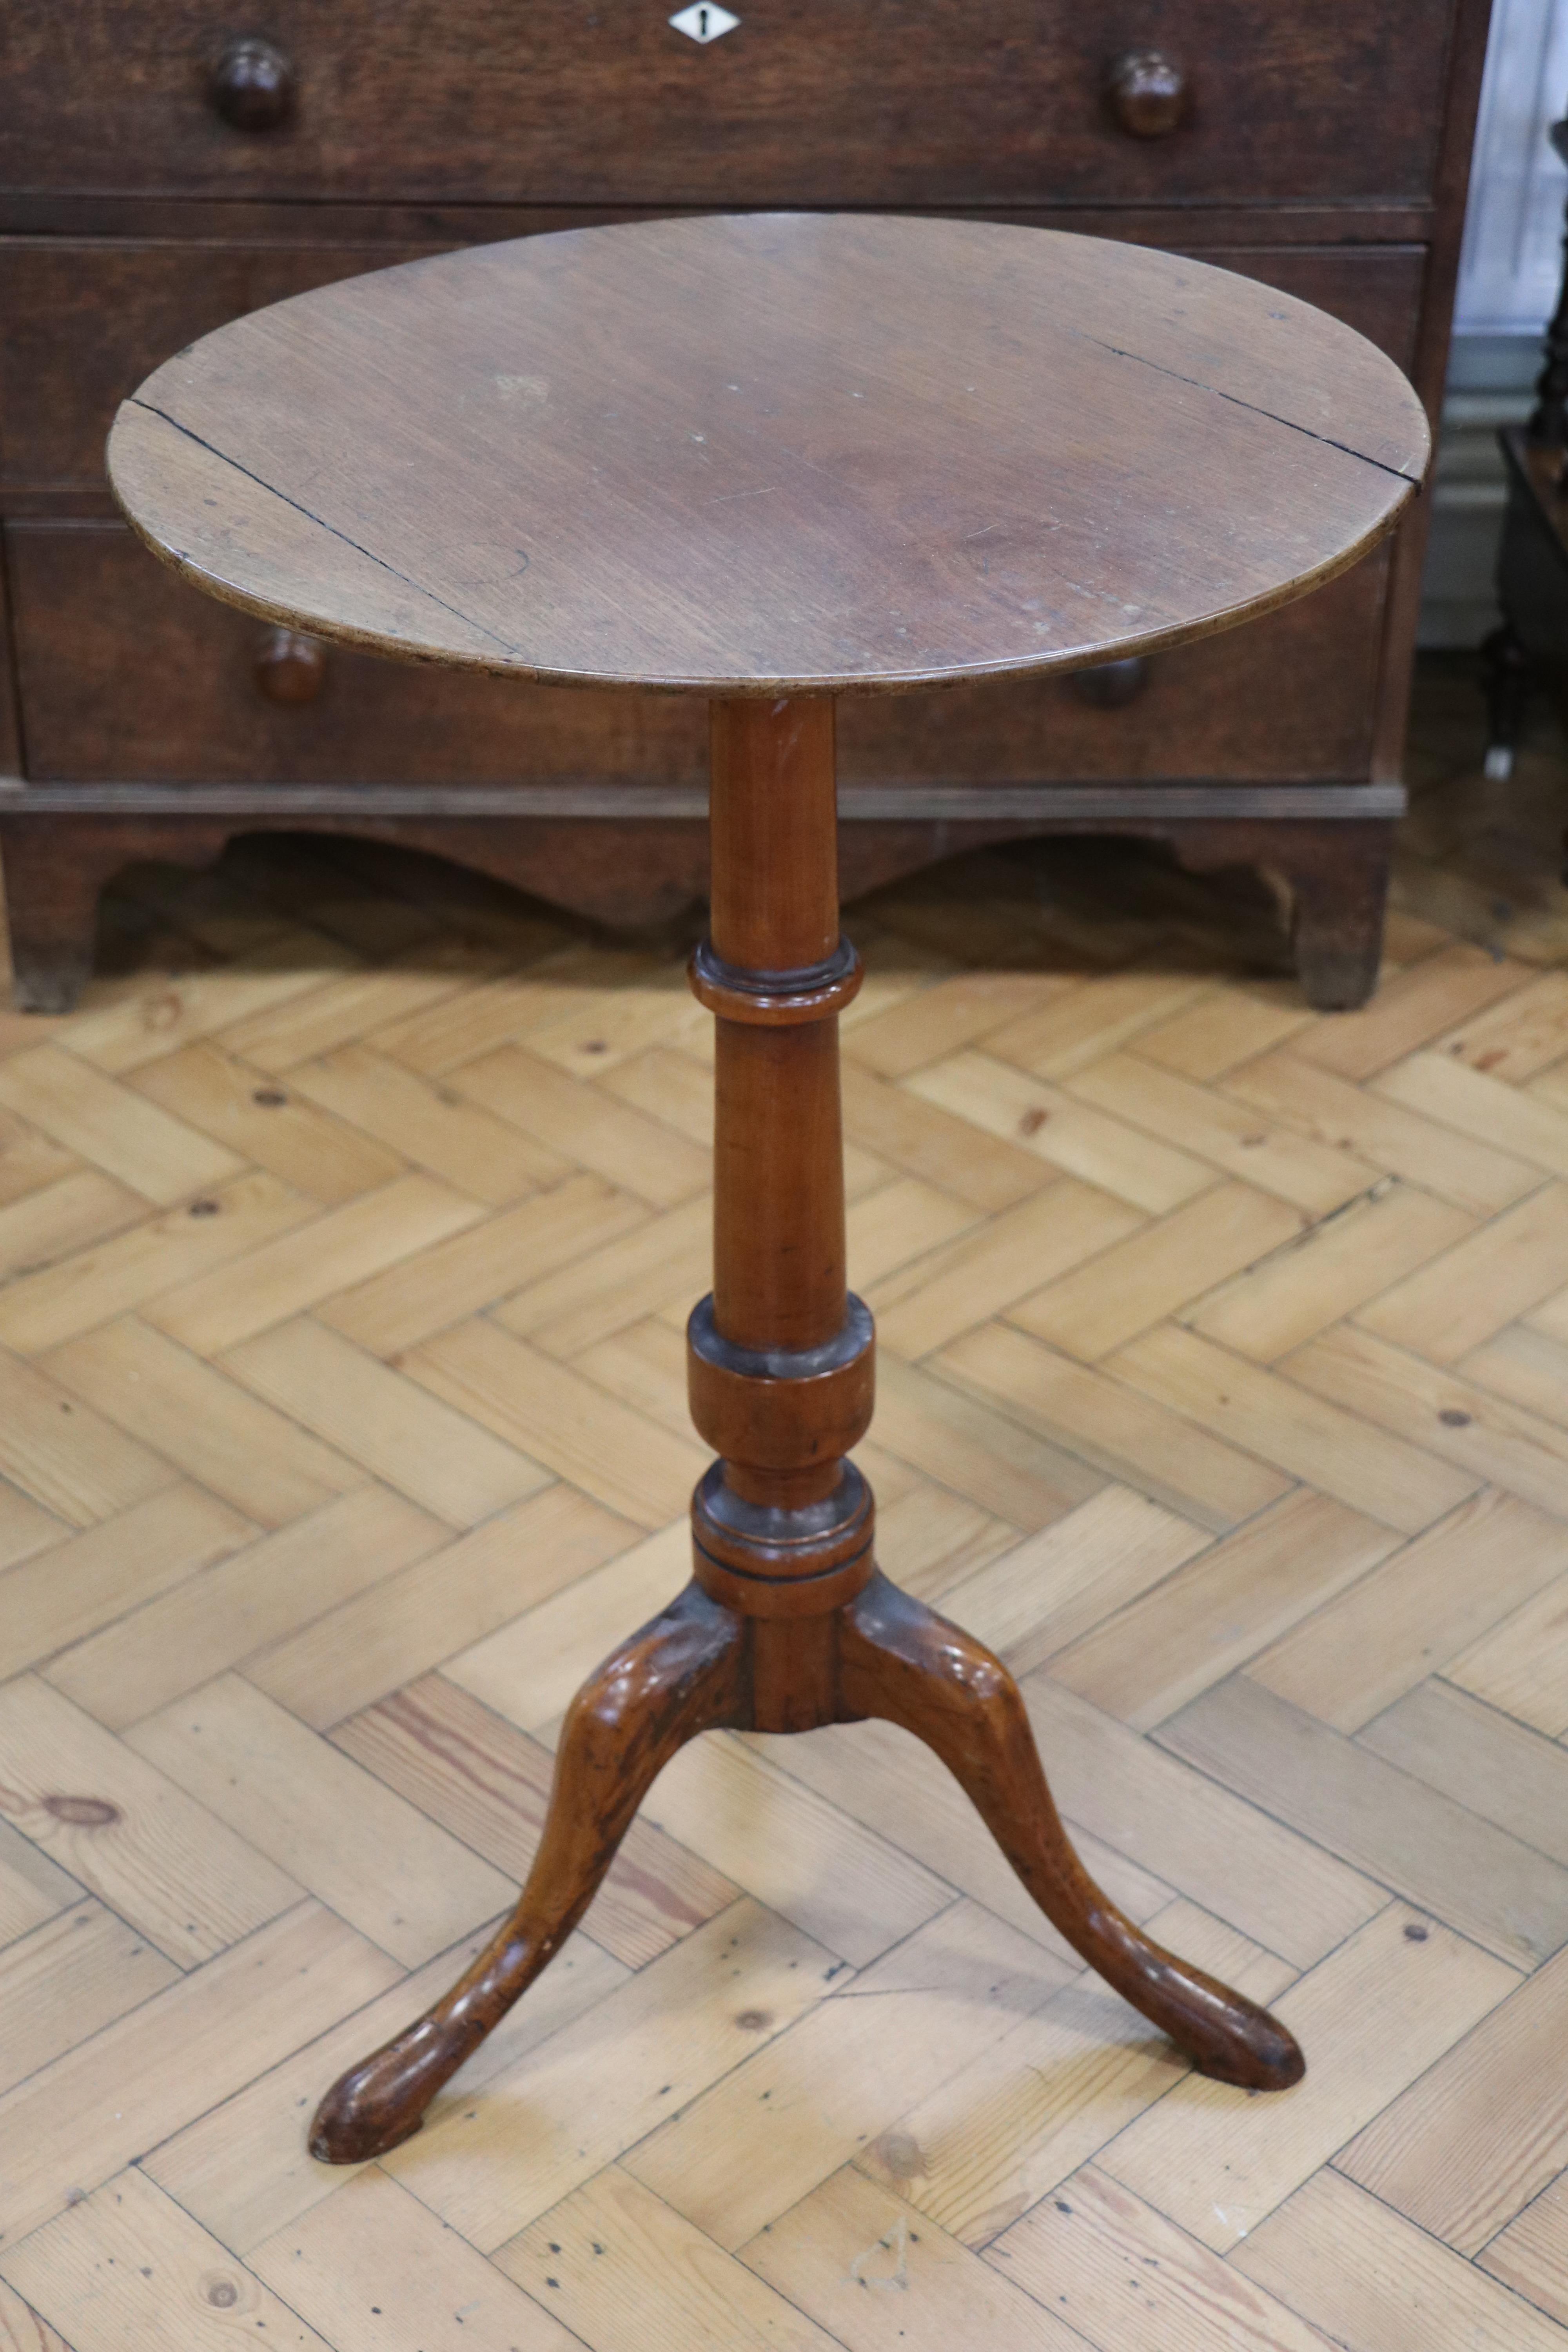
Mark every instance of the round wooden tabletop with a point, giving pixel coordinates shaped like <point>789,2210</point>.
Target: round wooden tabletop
<point>773,453</point>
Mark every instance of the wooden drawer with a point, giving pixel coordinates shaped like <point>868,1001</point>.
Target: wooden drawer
<point>1289,699</point>
<point>127,674</point>
<point>817,102</point>
<point>88,321</point>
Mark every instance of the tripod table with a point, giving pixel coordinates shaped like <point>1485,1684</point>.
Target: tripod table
<point>771,461</point>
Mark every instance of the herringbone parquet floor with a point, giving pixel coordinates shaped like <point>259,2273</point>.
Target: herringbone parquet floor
<point>350,1230</point>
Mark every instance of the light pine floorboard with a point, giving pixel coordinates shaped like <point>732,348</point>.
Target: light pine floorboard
<point>1365,2276</point>
<point>129,2265</point>
<point>1128,2279</point>
<point>1483,1882</point>
<point>343,1429</point>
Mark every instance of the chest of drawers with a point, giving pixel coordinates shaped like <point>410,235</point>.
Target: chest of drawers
<point>165,167</point>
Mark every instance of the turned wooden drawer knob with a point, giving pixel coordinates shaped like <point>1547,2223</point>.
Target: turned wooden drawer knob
<point>253,84</point>
<point>291,667</point>
<point>1147,92</point>
<point>1111,685</point>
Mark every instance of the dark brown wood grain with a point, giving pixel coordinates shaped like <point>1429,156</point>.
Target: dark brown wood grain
<point>901,1662</point>
<point>86,319</point>
<point>894,102</point>
<point>100,627</point>
<point>489,1783</point>
<point>927,739</point>
<point>772,453</point>
<point>1328,843</point>
<point>778,1230</point>
<point>680,1676</point>
<point>1336,920</point>
<point>1325,150</point>
<point>787,1625</point>
<point>10,716</point>
<point>103,629</point>
<point>53,874</point>
<point>84,215</point>
<point>773,790</point>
